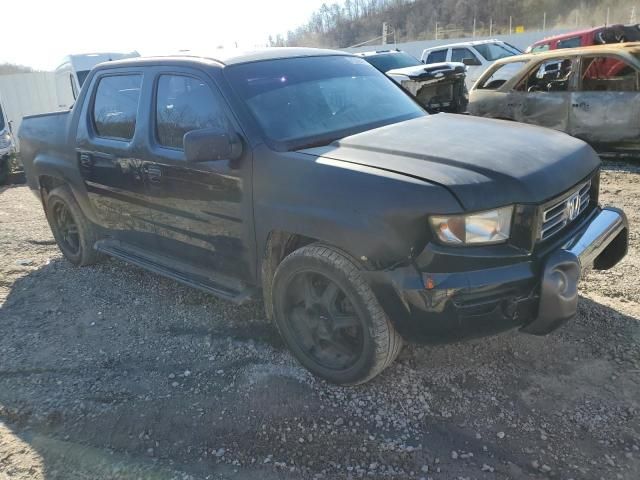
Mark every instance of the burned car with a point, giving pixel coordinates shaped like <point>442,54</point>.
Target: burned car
<point>439,87</point>
<point>591,93</point>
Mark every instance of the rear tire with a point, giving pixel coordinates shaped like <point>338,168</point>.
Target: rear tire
<point>74,233</point>
<point>329,317</point>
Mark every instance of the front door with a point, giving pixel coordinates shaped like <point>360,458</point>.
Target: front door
<point>202,211</point>
<point>605,108</point>
<point>475,68</point>
<point>543,96</point>
<point>108,156</point>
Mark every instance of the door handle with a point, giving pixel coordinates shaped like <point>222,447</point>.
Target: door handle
<point>154,173</point>
<point>582,105</point>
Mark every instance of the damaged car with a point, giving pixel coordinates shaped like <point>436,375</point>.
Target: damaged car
<point>584,38</point>
<point>591,93</point>
<point>439,87</point>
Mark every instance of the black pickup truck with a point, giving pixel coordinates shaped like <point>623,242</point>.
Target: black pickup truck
<point>309,176</point>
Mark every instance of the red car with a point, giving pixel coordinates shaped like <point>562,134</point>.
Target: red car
<point>593,36</point>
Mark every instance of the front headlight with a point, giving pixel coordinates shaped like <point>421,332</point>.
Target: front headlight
<point>492,226</point>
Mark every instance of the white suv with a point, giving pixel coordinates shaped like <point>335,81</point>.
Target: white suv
<point>477,56</point>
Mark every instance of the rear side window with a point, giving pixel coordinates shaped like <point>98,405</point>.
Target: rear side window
<point>436,56</point>
<point>608,74</point>
<point>73,87</point>
<point>116,106</point>
<point>184,104</point>
<point>570,42</point>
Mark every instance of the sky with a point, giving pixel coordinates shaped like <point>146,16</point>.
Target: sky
<point>39,33</point>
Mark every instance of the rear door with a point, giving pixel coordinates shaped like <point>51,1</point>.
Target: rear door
<point>109,155</point>
<point>202,211</point>
<point>605,108</point>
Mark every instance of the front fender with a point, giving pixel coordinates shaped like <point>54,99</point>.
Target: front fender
<point>376,216</point>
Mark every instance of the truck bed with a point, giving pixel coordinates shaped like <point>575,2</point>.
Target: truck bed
<point>43,136</point>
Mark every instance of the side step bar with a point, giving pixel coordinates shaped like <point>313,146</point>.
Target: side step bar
<point>238,293</point>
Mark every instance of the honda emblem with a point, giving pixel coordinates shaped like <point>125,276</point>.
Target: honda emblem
<point>573,206</point>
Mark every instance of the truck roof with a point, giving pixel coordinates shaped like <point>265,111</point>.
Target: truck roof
<point>232,56</point>
<point>378,52</point>
<point>86,61</point>
<point>464,44</point>
<point>626,49</point>
<point>574,33</point>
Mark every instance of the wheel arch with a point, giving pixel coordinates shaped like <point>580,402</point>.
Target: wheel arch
<point>279,244</point>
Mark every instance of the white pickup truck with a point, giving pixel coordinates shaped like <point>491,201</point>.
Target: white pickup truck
<point>477,55</point>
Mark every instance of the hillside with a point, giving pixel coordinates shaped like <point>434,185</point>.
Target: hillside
<point>10,68</point>
<point>355,21</point>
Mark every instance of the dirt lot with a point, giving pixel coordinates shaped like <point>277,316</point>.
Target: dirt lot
<point>110,372</point>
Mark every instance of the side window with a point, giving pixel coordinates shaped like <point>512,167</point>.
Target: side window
<point>550,76</point>
<point>73,87</point>
<point>436,56</point>
<point>462,54</point>
<point>570,42</point>
<point>184,104</point>
<point>501,75</point>
<point>608,74</point>
<point>116,106</point>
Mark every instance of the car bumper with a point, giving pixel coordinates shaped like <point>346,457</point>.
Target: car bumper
<point>538,294</point>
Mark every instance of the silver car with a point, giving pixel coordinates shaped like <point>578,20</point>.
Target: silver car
<point>591,93</point>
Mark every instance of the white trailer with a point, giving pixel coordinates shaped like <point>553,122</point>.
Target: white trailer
<point>24,94</point>
<point>73,71</point>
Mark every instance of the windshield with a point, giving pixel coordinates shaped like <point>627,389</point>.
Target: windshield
<point>495,51</point>
<point>390,61</point>
<point>82,76</point>
<point>316,100</point>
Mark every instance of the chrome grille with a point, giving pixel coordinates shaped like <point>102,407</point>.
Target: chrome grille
<point>561,213</point>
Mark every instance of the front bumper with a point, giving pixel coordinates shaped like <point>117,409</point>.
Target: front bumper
<point>601,245</point>
<point>538,293</point>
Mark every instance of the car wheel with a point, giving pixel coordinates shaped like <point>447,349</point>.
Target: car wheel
<point>74,233</point>
<point>329,317</point>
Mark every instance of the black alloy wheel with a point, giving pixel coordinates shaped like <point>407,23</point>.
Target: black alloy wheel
<point>67,229</point>
<point>326,326</point>
<point>329,316</point>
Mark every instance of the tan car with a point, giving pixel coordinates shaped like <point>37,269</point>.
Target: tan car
<point>591,93</point>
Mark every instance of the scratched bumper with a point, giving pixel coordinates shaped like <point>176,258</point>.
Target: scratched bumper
<point>537,295</point>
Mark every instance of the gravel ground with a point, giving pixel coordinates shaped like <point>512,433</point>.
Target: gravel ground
<point>110,372</point>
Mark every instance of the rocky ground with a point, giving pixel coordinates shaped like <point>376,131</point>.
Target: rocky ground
<point>110,372</point>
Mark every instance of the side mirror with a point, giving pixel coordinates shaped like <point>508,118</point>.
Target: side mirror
<point>10,123</point>
<point>210,144</point>
<point>471,62</point>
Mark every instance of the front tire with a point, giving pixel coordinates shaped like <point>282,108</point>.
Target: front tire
<point>74,233</point>
<point>329,317</point>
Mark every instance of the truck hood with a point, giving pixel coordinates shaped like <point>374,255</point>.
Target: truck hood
<point>484,163</point>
